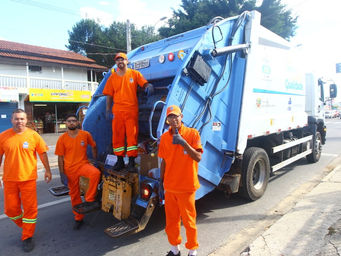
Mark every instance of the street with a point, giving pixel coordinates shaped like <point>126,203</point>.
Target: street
<point>220,219</point>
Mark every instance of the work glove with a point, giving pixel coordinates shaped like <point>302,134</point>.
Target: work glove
<point>149,90</point>
<point>177,139</point>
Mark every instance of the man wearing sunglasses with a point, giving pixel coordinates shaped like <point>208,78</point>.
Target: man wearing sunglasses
<point>71,149</point>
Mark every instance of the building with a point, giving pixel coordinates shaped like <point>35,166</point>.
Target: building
<point>47,83</point>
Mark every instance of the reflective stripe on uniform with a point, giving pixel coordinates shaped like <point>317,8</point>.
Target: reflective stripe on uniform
<point>17,217</point>
<point>131,148</point>
<point>118,149</point>
<point>24,220</point>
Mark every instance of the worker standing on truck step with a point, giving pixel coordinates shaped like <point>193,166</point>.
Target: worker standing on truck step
<point>180,150</point>
<point>121,88</point>
<point>71,149</point>
<point>20,144</point>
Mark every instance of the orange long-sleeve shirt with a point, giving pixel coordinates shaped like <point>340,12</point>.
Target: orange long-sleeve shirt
<point>20,151</point>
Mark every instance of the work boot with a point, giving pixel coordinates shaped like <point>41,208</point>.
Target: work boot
<point>119,164</point>
<point>131,165</point>
<point>28,244</point>
<point>78,224</point>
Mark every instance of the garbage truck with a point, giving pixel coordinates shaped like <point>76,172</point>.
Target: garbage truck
<point>241,86</point>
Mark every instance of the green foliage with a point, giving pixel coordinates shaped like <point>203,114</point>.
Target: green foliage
<point>197,13</point>
<point>102,43</point>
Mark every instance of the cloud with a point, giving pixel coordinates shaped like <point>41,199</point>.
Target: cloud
<point>144,12</point>
<point>104,3</point>
<point>99,16</point>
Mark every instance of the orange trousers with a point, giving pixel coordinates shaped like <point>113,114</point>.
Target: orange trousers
<point>17,194</point>
<point>181,206</point>
<point>88,171</point>
<point>125,124</point>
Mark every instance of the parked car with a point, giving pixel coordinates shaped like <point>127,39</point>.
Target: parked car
<point>328,114</point>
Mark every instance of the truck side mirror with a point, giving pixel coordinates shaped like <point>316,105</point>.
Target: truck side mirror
<point>332,91</point>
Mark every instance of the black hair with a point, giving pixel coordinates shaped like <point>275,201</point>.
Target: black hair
<point>71,115</point>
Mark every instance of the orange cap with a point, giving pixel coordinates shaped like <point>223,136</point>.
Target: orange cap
<point>173,109</point>
<point>121,55</point>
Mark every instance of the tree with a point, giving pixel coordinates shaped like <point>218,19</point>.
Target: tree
<point>102,43</point>
<point>196,13</point>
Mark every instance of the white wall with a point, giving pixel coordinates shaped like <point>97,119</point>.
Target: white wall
<point>13,70</point>
<point>9,67</point>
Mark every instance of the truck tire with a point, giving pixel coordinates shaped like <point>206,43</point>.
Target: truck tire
<point>255,173</point>
<point>317,149</point>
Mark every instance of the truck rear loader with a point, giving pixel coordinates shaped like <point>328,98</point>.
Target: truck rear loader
<point>241,86</point>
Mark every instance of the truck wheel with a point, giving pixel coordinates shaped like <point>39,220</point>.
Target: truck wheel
<point>317,149</point>
<point>255,173</point>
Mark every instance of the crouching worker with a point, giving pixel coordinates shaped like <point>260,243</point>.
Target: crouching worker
<point>180,149</point>
<point>71,149</point>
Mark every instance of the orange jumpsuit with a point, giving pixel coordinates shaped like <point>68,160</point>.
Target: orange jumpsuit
<point>180,183</point>
<point>20,174</point>
<point>76,164</point>
<point>123,89</point>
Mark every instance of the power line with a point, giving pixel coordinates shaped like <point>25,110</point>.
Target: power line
<point>101,53</point>
<point>103,46</point>
<point>46,6</point>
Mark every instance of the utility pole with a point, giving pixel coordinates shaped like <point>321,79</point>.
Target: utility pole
<point>128,33</point>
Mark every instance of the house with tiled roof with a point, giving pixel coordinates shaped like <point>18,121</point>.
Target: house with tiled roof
<point>48,83</point>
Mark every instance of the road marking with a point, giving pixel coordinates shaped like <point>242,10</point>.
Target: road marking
<point>4,216</point>
<point>329,154</point>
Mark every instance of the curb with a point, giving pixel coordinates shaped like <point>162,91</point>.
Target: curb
<point>238,243</point>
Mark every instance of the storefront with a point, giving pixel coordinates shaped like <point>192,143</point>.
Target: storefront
<point>50,107</point>
<point>9,98</point>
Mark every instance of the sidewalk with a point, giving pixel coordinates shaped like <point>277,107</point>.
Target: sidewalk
<point>312,227</point>
<point>51,140</point>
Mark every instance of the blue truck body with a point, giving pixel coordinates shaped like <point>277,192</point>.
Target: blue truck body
<point>195,100</point>
<point>234,85</point>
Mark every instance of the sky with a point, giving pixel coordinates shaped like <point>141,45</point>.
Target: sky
<point>47,22</point>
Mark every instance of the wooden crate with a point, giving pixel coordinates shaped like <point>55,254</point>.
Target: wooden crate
<point>117,193</point>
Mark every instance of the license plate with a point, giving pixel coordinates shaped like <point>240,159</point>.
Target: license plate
<point>141,64</point>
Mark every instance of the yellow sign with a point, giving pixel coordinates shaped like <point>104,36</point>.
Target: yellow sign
<point>48,95</point>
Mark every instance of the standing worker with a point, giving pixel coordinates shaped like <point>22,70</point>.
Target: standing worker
<point>20,144</point>
<point>180,149</point>
<point>71,149</point>
<point>121,88</point>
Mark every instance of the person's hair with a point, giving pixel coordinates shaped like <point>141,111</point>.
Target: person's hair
<point>18,110</point>
<point>71,115</point>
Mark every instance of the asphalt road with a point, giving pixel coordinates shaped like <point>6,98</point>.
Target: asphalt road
<point>220,219</point>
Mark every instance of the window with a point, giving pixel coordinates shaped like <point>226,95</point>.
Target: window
<point>34,68</point>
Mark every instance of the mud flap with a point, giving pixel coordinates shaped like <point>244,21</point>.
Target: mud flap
<point>132,225</point>
<point>59,191</point>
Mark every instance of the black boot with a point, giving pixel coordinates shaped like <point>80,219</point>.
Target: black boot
<point>131,165</point>
<point>119,164</point>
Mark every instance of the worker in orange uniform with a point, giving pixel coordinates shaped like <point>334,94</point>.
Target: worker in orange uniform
<point>71,149</point>
<point>20,144</point>
<point>180,150</point>
<point>121,88</point>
